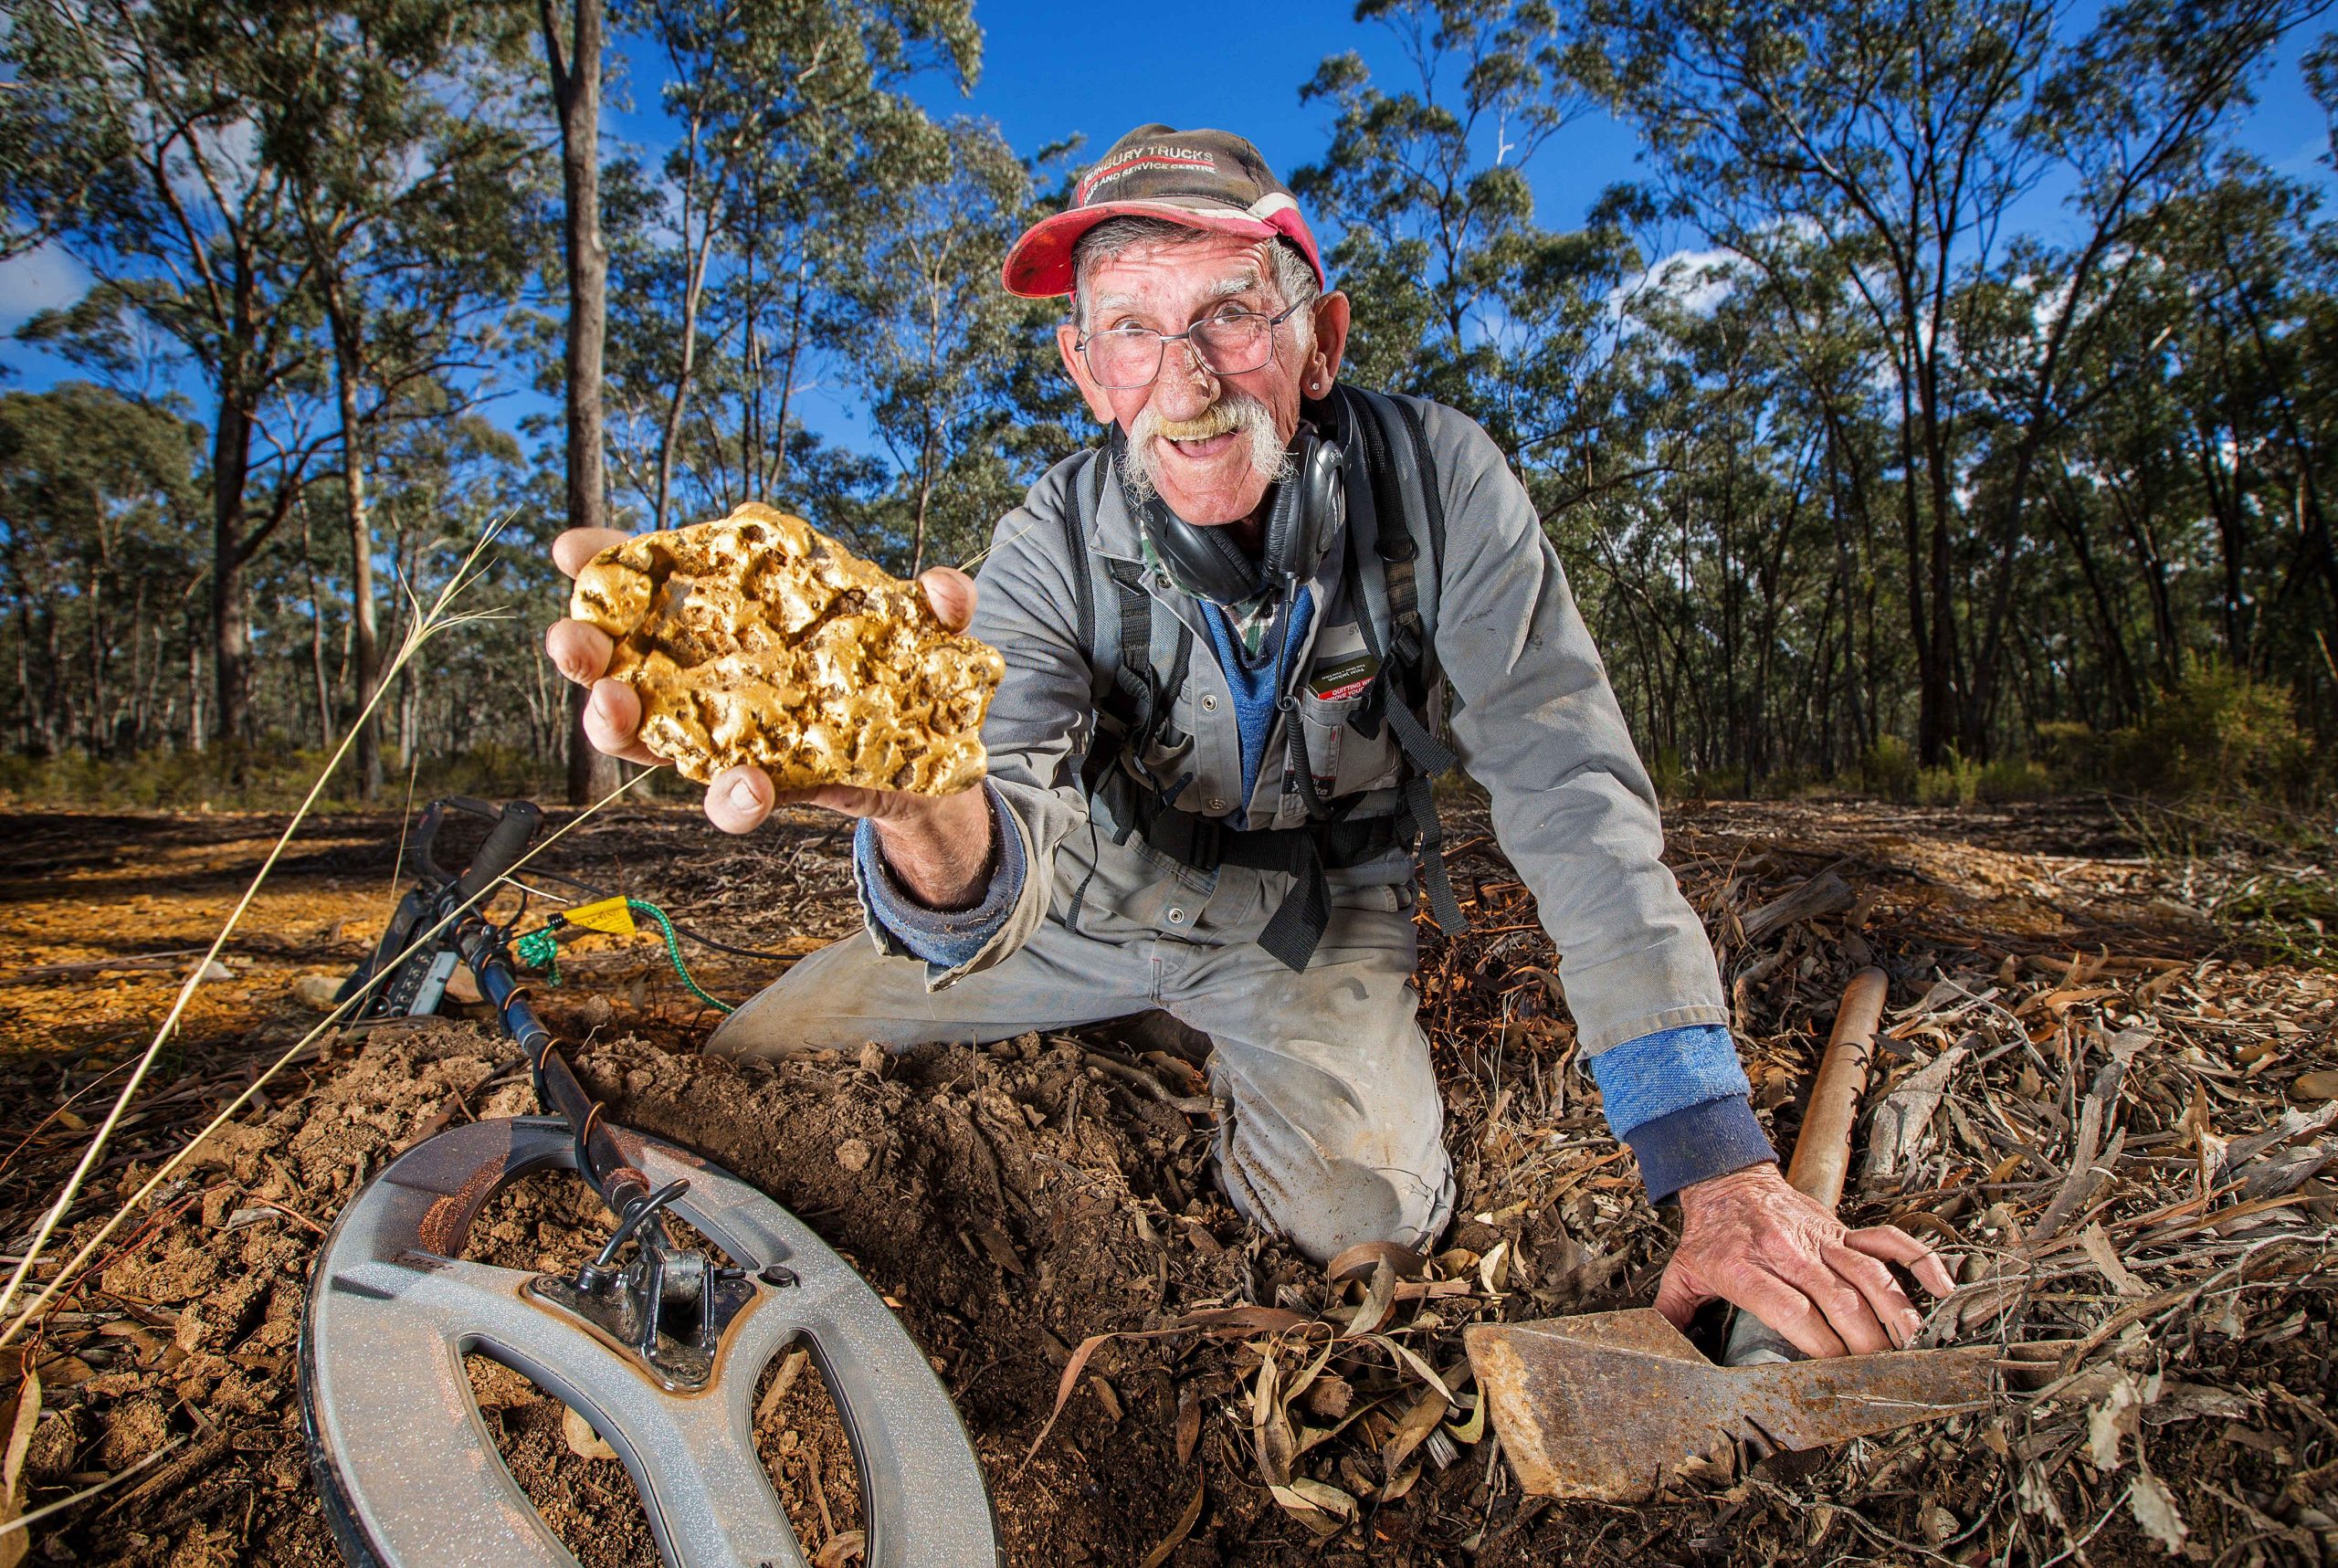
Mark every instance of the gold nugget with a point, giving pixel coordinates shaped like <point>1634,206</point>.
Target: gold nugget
<point>758,641</point>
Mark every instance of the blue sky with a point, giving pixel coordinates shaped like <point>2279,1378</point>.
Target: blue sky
<point>1052,70</point>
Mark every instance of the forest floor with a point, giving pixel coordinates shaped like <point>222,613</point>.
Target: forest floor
<point>2113,1107</point>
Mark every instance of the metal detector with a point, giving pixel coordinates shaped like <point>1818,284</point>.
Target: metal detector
<point>658,1345</point>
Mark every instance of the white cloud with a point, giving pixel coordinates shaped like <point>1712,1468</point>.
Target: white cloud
<point>1696,279</point>
<point>42,279</point>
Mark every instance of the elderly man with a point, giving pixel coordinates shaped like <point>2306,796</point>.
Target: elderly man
<point>1229,638</point>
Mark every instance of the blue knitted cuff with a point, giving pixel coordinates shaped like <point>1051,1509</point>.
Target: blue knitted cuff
<point>1658,1074</point>
<point>1697,1143</point>
<point>947,937</point>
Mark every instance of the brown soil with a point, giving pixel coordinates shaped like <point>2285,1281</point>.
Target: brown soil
<point>1013,1202</point>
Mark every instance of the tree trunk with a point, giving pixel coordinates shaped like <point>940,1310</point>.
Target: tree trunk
<point>693,287</point>
<point>195,736</point>
<point>575,65</point>
<point>787,386</point>
<point>230,671</point>
<point>325,729</point>
<point>924,499</point>
<point>363,631</point>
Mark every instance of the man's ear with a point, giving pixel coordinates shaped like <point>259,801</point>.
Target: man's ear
<point>1331,314</point>
<point>1099,405</point>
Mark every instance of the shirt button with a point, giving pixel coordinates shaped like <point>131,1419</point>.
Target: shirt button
<point>1177,916</point>
<point>1209,702</point>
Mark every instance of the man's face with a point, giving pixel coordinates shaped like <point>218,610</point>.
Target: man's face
<point>1205,478</point>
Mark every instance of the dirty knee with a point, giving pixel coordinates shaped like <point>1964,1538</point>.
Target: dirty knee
<point>1342,1204</point>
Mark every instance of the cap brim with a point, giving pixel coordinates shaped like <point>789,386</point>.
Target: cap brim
<point>1039,265</point>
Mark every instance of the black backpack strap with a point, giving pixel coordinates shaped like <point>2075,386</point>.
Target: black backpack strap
<point>1079,521</point>
<point>1086,489</point>
<point>1131,695</point>
<point>1141,694</point>
<point>1403,479</point>
<point>1414,471</point>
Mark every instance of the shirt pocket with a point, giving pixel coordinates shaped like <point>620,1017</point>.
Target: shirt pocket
<point>1343,758</point>
<point>1339,674</point>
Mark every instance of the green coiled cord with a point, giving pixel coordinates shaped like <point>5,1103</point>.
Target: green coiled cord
<point>541,950</point>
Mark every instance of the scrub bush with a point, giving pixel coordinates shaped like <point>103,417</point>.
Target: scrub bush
<point>2220,734</point>
<point>1889,769</point>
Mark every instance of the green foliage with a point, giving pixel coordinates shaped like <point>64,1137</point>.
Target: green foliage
<point>2220,734</point>
<point>1889,769</point>
<point>1666,772</point>
<point>776,220</point>
<point>1956,782</point>
<point>99,517</point>
<point>2015,779</point>
<point>2071,752</point>
<point>2291,917</point>
<point>1463,295</point>
<point>942,353</point>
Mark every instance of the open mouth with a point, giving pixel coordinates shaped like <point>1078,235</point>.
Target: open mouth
<point>1204,447</point>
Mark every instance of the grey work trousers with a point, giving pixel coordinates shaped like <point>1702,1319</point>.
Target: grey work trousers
<point>1328,1115</point>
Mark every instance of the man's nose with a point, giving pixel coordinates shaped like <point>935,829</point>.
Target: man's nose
<point>1185,385</point>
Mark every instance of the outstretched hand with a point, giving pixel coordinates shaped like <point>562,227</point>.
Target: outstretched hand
<point>738,798</point>
<point>1749,1238</point>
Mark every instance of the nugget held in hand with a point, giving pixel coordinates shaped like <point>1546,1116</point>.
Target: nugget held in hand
<point>758,641</point>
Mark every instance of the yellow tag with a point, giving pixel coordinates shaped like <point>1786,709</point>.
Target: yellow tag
<point>609,916</point>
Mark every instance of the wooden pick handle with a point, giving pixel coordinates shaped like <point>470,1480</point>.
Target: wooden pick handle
<point>1822,1153</point>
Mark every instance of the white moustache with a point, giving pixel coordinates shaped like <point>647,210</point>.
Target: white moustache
<point>1233,412</point>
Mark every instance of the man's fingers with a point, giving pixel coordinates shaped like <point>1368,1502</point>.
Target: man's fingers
<point>579,545</point>
<point>952,593</point>
<point>1678,1295</point>
<point>1888,1241</point>
<point>1882,1293</point>
<point>1847,1311</point>
<point>578,650</point>
<point>739,799</point>
<point>612,714</point>
<point>1784,1308</point>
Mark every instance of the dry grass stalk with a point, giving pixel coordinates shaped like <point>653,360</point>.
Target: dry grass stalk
<point>228,1112</point>
<point>421,627</point>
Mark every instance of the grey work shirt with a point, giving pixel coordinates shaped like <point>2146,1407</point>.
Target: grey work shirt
<point>1532,718</point>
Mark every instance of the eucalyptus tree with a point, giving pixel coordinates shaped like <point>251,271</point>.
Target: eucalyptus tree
<point>416,181</point>
<point>101,541</point>
<point>1462,294</point>
<point>927,334</point>
<point>1903,139</point>
<point>573,59</point>
<point>792,118</point>
<point>153,122</point>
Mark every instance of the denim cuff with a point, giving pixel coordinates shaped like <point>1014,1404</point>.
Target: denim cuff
<point>947,937</point>
<point>1696,1143</point>
<point>1669,1070</point>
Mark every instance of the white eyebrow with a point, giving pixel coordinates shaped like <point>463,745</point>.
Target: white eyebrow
<point>1225,289</point>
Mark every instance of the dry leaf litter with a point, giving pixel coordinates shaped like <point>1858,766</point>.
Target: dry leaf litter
<point>2102,1100</point>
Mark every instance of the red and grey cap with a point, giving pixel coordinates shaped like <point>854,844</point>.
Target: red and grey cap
<point>1203,179</point>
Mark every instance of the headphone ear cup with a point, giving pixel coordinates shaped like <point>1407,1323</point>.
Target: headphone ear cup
<point>1288,519</point>
<point>1324,480</point>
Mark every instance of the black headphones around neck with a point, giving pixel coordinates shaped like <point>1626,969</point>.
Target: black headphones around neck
<point>1303,512</point>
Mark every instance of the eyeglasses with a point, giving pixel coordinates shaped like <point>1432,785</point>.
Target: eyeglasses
<point>1230,343</point>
